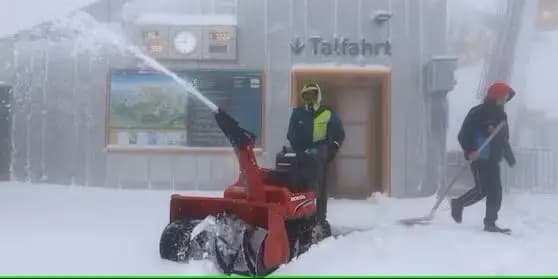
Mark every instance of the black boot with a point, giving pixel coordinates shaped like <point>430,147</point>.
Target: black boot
<point>494,228</point>
<point>456,211</point>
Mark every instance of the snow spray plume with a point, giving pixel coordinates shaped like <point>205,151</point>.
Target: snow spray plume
<point>90,35</point>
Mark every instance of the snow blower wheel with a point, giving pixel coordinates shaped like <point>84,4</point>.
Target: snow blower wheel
<point>313,235</point>
<point>320,231</point>
<point>176,243</point>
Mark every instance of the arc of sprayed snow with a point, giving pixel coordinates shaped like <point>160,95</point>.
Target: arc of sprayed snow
<point>87,28</point>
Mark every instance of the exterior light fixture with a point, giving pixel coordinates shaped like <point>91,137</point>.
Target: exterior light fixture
<point>381,17</point>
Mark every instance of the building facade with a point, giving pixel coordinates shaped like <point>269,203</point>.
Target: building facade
<point>109,120</point>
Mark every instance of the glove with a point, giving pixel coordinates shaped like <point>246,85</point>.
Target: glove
<point>509,156</point>
<point>511,161</point>
<point>333,148</point>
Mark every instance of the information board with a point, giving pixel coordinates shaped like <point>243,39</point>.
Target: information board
<point>150,108</point>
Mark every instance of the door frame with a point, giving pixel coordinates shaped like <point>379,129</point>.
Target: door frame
<point>383,75</point>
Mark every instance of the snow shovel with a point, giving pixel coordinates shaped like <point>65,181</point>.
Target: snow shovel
<point>430,217</point>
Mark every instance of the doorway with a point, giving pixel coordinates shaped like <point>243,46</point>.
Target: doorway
<point>360,97</point>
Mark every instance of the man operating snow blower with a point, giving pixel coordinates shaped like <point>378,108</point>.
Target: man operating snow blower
<point>478,124</point>
<point>315,133</point>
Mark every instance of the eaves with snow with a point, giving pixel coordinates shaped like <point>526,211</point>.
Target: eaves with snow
<point>181,19</point>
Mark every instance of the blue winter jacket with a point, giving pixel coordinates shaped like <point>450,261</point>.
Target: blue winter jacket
<point>477,127</point>
<point>301,129</point>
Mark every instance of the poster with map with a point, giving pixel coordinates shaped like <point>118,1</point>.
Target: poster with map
<point>150,108</point>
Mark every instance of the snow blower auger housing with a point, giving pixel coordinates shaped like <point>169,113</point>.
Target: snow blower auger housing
<point>261,222</point>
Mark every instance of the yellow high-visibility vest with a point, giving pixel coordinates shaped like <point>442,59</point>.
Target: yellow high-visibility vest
<point>320,125</point>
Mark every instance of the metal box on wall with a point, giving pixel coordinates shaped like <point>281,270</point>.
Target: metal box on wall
<point>440,74</point>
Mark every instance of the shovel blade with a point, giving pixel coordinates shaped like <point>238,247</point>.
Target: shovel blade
<point>416,221</point>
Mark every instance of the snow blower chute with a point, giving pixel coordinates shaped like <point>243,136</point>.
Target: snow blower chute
<point>262,221</point>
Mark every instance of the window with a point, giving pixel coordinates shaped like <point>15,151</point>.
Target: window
<point>147,108</point>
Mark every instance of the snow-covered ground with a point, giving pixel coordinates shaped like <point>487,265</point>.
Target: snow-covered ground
<point>51,229</point>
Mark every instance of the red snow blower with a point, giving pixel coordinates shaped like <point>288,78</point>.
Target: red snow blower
<point>263,220</point>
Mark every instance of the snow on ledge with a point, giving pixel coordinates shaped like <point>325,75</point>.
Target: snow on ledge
<point>376,67</point>
<point>182,19</point>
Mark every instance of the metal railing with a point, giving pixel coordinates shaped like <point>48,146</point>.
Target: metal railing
<point>535,172</point>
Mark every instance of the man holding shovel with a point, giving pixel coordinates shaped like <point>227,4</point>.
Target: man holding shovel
<point>477,126</point>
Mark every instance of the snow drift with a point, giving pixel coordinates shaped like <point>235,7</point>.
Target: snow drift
<point>50,229</point>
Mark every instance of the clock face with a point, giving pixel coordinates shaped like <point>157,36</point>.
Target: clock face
<point>185,42</point>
